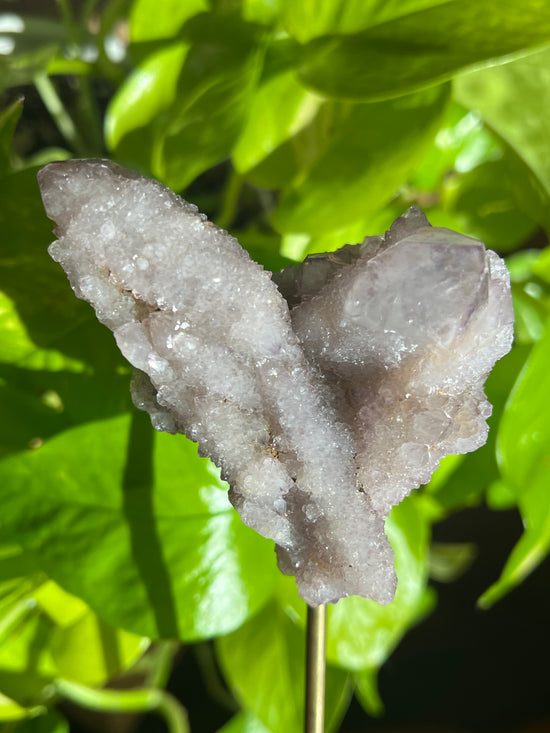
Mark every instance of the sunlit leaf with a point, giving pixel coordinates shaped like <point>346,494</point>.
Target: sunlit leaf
<point>264,664</point>
<point>373,152</point>
<point>139,527</point>
<point>153,19</point>
<point>244,722</point>
<point>422,48</point>
<point>149,89</point>
<point>10,710</point>
<point>279,109</point>
<point>47,633</point>
<point>524,459</point>
<point>306,20</point>
<point>462,143</point>
<point>104,650</point>
<point>212,98</point>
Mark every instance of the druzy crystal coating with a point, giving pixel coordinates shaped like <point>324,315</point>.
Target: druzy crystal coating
<point>325,393</point>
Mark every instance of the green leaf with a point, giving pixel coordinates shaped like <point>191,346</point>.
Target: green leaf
<point>422,48</point>
<point>372,153</point>
<point>8,121</point>
<point>91,652</point>
<point>361,633</point>
<point>366,691</point>
<point>212,98</point>
<point>244,722</point>
<point>154,19</point>
<point>34,285</point>
<point>484,199</point>
<point>46,633</point>
<point>296,154</point>
<point>135,524</point>
<point>524,459</point>
<point>514,100</point>
<point>263,663</point>
<point>260,11</point>
<point>462,143</point>
<point>148,90</point>
<point>10,710</point>
<point>279,109</point>
<point>500,496</point>
<point>306,20</point>
<point>26,419</point>
<point>52,722</point>
<point>450,560</point>
<point>42,325</point>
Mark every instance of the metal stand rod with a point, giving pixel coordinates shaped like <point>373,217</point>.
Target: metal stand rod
<point>315,669</point>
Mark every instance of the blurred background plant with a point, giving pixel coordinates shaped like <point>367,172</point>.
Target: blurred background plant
<point>299,126</point>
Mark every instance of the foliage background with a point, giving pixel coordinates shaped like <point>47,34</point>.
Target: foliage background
<point>299,126</point>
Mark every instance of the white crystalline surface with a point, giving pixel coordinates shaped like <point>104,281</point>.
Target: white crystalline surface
<point>321,417</point>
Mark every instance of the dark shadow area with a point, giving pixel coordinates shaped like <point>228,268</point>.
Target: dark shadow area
<point>138,510</point>
<point>465,669</point>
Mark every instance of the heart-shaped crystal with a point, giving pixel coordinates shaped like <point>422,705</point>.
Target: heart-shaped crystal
<point>325,398</point>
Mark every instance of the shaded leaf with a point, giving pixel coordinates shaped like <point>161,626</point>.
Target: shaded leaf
<point>484,199</point>
<point>366,691</point>
<point>52,722</point>
<point>32,282</point>
<point>422,48</point>
<point>514,100</point>
<point>8,121</point>
<point>450,560</point>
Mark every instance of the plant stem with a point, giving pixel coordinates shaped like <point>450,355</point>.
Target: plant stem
<point>68,20</point>
<point>316,634</point>
<point>230,200</point>
<point>127,701</point>
<point>164,654</point>
<point>206,660</point>
<point>88,10</point>
<point>63,120</point>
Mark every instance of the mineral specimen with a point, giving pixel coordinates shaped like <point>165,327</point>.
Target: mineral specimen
<point>325,394</point>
